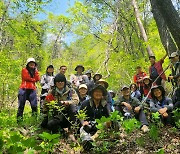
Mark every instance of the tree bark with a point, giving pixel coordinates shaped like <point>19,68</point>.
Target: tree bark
<point>171,18</point>
<point>164,33</point>
<point>141,27</point>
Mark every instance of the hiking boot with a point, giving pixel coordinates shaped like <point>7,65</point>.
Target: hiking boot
<point>145,128</point>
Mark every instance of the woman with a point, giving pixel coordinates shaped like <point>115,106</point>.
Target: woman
<point>63,112</point>
<point>135,92</point>
<point>82,93</point>
<point>27,89</point>
<point>147,87</point>
<point>162,104</point>
<point>95,108</point>
<point>46,83</point>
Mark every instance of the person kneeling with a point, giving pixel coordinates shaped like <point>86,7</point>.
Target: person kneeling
<point>130,106</point>
<point>95,108</point>
<point>161,104</point>
<point>64,110</point>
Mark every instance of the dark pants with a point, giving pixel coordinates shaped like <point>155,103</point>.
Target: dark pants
<point>23,95</point>
<point>42,98</point>
<point>168,120</point>
<point>140,116</point>
<point>64,119</point>
<point>177,104</point>
<point>158,81</point>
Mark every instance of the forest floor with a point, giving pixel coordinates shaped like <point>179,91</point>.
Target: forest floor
<point>12,139</point>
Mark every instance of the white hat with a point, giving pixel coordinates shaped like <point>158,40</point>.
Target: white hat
<point>31,60</point>
<point>83,86</point>
<point>174,54</point>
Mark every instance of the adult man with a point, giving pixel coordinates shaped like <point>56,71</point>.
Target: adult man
<point>27,89</point>
<point>79,77</point>
<point>63,69</point>
<point>95,108</point>
<point>174,57</point>
<point>64,110</point>
<point>156,69</point>
<point>138,78</point>
<point>130,106</point>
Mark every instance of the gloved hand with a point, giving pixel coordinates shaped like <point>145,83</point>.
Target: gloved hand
<point>44,122</point>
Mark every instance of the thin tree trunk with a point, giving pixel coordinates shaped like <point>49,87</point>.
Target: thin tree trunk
<point>164,33</point>
<point>141,27</point>
<point>171,18</point>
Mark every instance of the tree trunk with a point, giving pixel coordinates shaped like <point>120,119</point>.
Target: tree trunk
<point>171,18</point>
<point>164,33</point>
<point>141,27</point>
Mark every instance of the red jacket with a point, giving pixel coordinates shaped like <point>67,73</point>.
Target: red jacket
<point>27,81</point>
<point>159,68</point>
<point>139,76</point>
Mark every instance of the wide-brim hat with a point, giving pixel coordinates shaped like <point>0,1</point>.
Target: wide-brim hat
<point>104,91</point>
<point>31,60</point>
<point>97,74</point>
<point>105,83</point>
<point>78,67</point>
<point>174,54</point>
<point>157,87</point>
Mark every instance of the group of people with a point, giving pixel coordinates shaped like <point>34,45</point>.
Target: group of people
<point>61,100</point>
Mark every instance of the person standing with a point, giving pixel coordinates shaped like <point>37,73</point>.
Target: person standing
<point>27,91</point>
<point>174,57</point>
<point>156,70</point>
<point>46,83</point>
<point>79,77</point>
<point>138,78</point>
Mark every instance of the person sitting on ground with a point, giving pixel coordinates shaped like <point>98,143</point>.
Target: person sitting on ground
<point>162,104</point>
<point>106,85</point>
<point>175,59</point>
<point>156,69</point>
<point>135,92</point>
<point>79,77</point>
<point>82,93</point>
<point>95,108</point>
<point>176,96</point>
<point>47,81</point>
<point>64,109</point>
<point>138,79</point>
<point>147,87</point>
<point>131,106</point>
<point>27,91</point>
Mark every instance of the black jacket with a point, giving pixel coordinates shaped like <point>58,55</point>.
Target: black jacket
<point>92,112</point>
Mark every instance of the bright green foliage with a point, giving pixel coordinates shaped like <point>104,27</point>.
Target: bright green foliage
<point>176,117</point>
<point>154,133</point>
<point>130,125</point>
<point>49,141</point>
